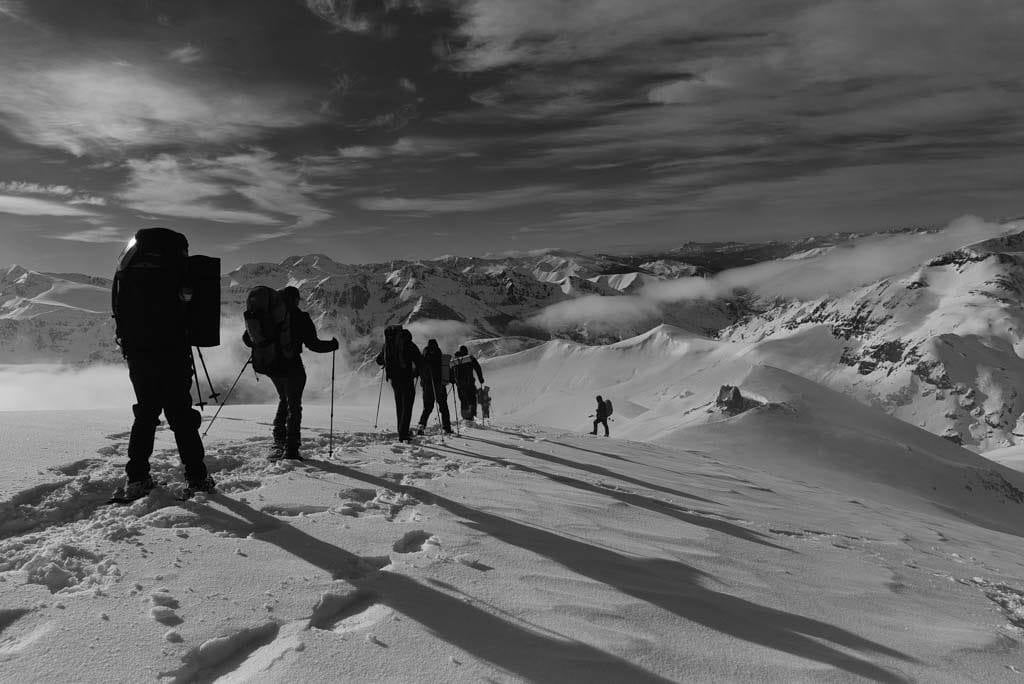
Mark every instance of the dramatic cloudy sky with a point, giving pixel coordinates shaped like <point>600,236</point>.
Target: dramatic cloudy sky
<point>370,129</point>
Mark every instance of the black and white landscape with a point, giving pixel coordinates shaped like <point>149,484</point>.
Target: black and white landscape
<point>781,238</point>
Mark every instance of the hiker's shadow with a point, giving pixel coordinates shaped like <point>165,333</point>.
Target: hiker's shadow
<point>671,586</point>
<point>519,649</point>
<point>590,468</point>
<point>698,518</point>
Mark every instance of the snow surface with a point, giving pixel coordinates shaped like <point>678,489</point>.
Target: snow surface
<point>810,538</point>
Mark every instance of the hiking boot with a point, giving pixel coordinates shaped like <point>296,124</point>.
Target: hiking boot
<point>422,430</point>
<point>449,431</point>
<point>192,487</point>
<point>292,454</point>
<point>276,452</point>
<point>132,490</point>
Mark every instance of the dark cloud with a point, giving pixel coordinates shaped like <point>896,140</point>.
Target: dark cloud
<point>268,121</point>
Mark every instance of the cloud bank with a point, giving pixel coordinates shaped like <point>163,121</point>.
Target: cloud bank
<point>834,272</point>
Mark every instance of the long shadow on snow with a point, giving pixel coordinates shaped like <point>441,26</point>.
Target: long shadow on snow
<point>526,653</point>
<point>671,586</point>
<point>622,458</point>
<point>595,469</point>
<point>698,518</point>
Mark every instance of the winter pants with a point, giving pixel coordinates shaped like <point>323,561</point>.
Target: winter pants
<point>428,403</point>
<point>467,400</point>
<point>288,419</point>
<point>405,396</point>
<point>600,421</point>
<point>163,382</point>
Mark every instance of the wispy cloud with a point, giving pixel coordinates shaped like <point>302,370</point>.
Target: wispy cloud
<point>106,106</point>
<point>167,187</point>
<point>71,195</point>
<point>26,188</point>
<point>358,17</point>
<point>472,202</point>
<point>33,206</point>
<point>186,54</point>
<point>12,10</point>
<point>98,235</point>
<point>250,188</point>
<point>271,185</point>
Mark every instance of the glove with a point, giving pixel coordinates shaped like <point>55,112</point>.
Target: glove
<point>336,345</point>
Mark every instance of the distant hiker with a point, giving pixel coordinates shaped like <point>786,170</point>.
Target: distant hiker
<point>151,299</point>
<point>464,365</point>
<point>484,398</point>
<point>601,416</point>
<point>434,378</point>
<point>402,364</point>
<point>276,329</point>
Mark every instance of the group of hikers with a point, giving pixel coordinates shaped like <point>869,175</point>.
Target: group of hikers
<point>165,302</point>
<point>403,363</point>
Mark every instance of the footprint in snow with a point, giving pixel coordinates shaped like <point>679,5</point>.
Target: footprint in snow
<point>346,613</point>
<point>415,541</point>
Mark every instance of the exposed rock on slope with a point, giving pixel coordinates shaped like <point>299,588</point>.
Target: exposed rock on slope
<point>938,347</point>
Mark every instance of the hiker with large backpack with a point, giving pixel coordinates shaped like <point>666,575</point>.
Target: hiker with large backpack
<point>276,329</point>
<point>163,302</point>
<point>464,366</point>
<point>604,411</point>
<point>402,364</point>
<point>434,379</point>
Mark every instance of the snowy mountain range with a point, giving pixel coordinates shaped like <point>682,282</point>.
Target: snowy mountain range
<point>46,317</point>
<point>937,346</point>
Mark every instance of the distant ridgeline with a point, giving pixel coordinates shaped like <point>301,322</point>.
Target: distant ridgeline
<point>939,346</point>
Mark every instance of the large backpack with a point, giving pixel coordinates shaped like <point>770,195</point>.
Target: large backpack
<point>608,406</point>
<point>446,369</point>
<point>149,292</point>
<point>395,361</point>
<point>269,326</point>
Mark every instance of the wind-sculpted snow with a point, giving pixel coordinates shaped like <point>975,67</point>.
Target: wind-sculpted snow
<point>797,535</point>
<point>524,553</point>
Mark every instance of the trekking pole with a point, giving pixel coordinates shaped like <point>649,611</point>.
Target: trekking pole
<point>199,390</point>
<point>213,393</point>
<point>331,438</point>
<point>208,425</point>
<point>380,392</point>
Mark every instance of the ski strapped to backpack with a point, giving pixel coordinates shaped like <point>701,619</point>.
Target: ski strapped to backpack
<point>161,297</point>
<point>268,323</point>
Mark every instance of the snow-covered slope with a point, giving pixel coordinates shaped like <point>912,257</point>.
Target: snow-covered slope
<point>760,547</point>
<point>938,347</point>
<point>49,317</point>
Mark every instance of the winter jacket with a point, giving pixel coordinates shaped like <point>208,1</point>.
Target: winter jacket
<point>430,373</point>
<point>463,366</point>
<point>303,334</point>
<point>602,410</point>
